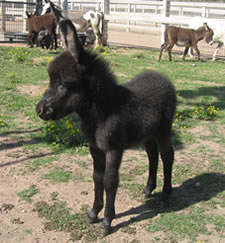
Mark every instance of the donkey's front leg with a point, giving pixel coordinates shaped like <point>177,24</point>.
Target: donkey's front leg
<point>98,176</point>
<point>111,181</point>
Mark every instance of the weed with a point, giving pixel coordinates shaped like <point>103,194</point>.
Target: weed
<point>63,133</point>
<point>2,123</point>
<point>27,194</point>
<point>138,55</point>
<point>18,55</point>
<point>54,196</point>
<point>45,60</point>
<point>59,218</point>
<point>58,175</point>
<point>40,162</point>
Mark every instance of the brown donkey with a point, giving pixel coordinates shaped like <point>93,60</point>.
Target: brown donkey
<point>185,37</point>
<point>37,23</point>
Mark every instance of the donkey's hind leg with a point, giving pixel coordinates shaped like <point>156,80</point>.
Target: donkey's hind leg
<point>185,52</point>
<point>162,48</point>
<point>167,155</point>
<point>153,156</point>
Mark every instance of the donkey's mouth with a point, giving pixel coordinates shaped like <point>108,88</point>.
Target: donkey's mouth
<point>44,112</point>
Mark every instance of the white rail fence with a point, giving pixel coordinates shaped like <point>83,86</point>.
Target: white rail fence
<point>133,14</point>
<point>125,14</point>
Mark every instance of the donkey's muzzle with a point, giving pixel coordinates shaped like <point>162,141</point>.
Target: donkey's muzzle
<point>44,110</point>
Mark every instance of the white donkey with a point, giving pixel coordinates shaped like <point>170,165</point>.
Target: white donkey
<point>218,27</point>
<point>90,19</point>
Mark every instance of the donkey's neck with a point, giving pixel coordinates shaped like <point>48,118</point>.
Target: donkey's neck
<point>200,33</point>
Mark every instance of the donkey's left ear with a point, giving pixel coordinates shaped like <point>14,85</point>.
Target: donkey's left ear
<point>71,40</point>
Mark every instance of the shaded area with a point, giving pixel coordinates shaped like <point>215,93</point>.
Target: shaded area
<point>183,196</point>
<point>19,132</point>
<point>25,159</point>
<point>20,143</point>
<point>213,91</point>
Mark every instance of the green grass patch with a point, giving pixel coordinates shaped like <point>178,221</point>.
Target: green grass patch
<point>28,193</point>
<point>58,175</point>
<point>60,219</point>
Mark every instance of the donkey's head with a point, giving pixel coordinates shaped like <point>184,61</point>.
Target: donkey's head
<point>65,92</point>
<point>208,34</point>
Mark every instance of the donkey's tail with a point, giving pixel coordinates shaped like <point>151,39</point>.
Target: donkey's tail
<point>166,39</point>
<point>101,24</point>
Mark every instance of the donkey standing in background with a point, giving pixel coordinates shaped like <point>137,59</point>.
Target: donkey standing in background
<point>122,116</point>
<point>87,19</point>
<point>36,24</point>
<point>218,27</point>
<point>185,37</point>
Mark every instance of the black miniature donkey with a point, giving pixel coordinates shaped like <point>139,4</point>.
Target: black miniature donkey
<point>113,117</point>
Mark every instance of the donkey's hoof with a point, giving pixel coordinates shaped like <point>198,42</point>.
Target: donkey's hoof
<point>105,230</point>
<point>92,218</point>
<point>146,195</point>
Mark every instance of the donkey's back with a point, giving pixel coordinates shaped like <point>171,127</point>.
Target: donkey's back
<point>136,112</point>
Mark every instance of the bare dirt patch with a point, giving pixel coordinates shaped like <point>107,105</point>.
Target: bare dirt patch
<point>31,90</point>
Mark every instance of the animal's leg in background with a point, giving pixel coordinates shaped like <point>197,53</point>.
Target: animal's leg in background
<point>153,156</point>
<point>31,37</point>
<point>219,46</point>
<point>111,181</point>
<point>98,176</point>
<point>169,49</point>
<point>167,155</point>
<point>185,52</point>
<point>55,39</point>
<point>97,34</point>
<point>197,51</point>
<point>163,46</point>
<point>190,52</point>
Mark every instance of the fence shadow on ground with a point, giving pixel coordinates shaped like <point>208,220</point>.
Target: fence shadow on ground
<point>214,91</point>
<point>183,196</point>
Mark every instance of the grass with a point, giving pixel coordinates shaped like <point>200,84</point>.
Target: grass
<point>197,204</point>
<point>28,193</point>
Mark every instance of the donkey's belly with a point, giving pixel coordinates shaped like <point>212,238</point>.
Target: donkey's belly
<point>182,43</point>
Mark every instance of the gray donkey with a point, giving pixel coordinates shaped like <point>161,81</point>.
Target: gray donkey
<point>113,117</point>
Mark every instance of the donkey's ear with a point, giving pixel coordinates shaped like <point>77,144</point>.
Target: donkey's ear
<point>71,40</point>
<point>28,15</point>
<point>206,27</point>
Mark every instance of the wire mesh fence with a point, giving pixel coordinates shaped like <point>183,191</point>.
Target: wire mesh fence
<point>13,24</point>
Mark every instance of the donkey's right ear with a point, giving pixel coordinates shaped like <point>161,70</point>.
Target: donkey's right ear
<point>71,40</point>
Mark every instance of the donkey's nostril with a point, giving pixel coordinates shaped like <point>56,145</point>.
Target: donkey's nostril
<point>40,110</point>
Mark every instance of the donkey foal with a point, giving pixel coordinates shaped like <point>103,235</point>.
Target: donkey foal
<point>185,37</point>
<point>113,117</point>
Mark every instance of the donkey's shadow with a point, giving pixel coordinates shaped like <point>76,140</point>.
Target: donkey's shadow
<point>189,193</point>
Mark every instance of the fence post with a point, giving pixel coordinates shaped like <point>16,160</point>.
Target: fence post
<point>3,15</point>
<point>105,7</point>
<point>105,10</point>
<point>65,6</point>
<point>165,13</point>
